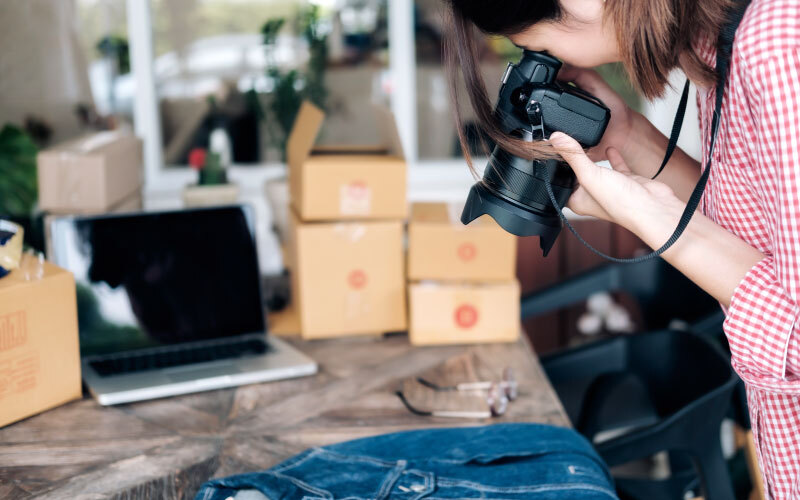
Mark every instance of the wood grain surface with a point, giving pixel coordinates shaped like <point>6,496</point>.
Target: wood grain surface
<point>167,448</point>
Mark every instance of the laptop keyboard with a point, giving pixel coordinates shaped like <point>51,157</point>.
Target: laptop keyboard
<point>178,357</point>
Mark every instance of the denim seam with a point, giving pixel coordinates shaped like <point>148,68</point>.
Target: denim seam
<point>444,481</point>
<point>303,485</point>
<point>391,478</point>
<point>208,493</point>
<point>428,485</point>
<point>296,461</point>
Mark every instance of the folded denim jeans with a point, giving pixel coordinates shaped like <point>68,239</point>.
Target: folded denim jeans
<point>500,462</point>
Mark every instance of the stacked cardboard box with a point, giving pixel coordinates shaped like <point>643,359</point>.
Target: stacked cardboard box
<point>345,244</point>
<point>97,173</point>
<point>462,285</point>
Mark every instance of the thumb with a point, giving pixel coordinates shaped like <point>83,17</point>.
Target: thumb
<point>573,153</point>
<point>616,161</point>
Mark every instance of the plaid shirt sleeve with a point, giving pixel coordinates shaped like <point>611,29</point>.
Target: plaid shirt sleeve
<point>762,323</point>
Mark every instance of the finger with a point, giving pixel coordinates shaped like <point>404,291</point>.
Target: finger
<point>572,153</point>
<point>596,154</point>
<point>616,161</point>
<point>582,203</point>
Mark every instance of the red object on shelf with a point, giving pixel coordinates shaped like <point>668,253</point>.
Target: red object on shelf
<point>197,158</point>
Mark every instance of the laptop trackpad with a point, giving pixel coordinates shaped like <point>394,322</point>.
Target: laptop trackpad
<point>199,373</point>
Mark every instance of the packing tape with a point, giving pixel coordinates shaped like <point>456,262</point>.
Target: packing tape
<point>11,236</point>
<point>96,141</point>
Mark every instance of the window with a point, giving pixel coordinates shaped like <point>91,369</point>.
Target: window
<point>103,39</point>
<point>245,65</point>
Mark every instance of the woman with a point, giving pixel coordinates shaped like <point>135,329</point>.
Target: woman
<point>743,245</point>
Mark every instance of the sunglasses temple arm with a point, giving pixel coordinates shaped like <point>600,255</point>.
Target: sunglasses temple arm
<point>411,408</point>
<point>436,387</point>
<point>474,386</point>
<point>462,414</point>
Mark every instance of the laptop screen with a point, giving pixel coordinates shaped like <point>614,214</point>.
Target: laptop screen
<point>154,279</point>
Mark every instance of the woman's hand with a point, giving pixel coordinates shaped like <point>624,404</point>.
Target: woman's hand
<point>620,126</point>
<point>706,253</point>
<point>639,143</point>
<point>617,195</point>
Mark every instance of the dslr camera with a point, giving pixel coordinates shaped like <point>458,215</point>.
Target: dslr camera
<point>531,106</point>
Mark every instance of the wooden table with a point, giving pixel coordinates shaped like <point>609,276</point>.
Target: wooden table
<point>167,448</point>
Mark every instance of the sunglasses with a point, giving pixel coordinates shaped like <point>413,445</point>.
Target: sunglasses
<point>498,395</point>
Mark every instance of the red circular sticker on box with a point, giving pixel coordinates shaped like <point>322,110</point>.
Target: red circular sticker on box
<point>467,251</point>
<point>357,279</point>
<point>466,316</point>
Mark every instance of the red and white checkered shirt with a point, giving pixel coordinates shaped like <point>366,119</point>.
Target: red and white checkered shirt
<point>754,192</point>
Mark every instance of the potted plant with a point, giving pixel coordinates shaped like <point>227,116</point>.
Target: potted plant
<point>212,186</point>
<point>18,187</point>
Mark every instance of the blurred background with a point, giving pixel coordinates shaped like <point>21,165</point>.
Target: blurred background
<point>177,71</point>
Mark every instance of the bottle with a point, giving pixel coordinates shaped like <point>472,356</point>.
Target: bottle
<point>220,143</point>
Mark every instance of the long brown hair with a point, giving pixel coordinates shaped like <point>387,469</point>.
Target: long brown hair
<point>654,37</point>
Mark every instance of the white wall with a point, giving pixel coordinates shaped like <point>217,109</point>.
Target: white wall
<point>662,113</point>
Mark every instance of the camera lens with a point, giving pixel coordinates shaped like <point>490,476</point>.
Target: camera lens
<point>513,193</point>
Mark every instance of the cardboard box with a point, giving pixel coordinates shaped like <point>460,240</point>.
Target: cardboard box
<point>39,358</point>
<point>90,174</point>
<point>441,248</point>
<point>347,182</point>
<point>285,323</point>
<point>347,277</point>
<point>444,313</point>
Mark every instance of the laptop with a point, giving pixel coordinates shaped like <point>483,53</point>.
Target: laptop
<point>170,303</point>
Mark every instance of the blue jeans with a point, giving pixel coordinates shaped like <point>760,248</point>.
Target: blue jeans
<point>506,461</point>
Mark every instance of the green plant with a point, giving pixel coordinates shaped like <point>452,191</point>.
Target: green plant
<point>18,189</point>
<point>292,87</point>
<point>270,30</point>
<point>209,168</point>
<point>116,48</point>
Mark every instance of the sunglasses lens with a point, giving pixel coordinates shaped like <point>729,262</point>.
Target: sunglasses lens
<point>510,384</point>
<point>512,391</point>
<point>498,402</point>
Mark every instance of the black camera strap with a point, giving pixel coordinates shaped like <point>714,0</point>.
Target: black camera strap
<point>724,49</point>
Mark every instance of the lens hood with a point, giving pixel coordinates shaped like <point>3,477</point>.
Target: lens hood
<point>512,216</point>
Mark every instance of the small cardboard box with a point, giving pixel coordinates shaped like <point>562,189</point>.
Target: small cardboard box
<point>90,174</point>
<point>444,313</point>
<point>346,182</point>
<point>347,277</point>
<point>441,248</point>
<point>39,359</point>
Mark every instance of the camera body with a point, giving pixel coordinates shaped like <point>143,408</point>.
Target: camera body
<point>532,104</point>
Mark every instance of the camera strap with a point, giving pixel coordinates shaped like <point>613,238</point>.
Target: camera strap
<point>724,49</point>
